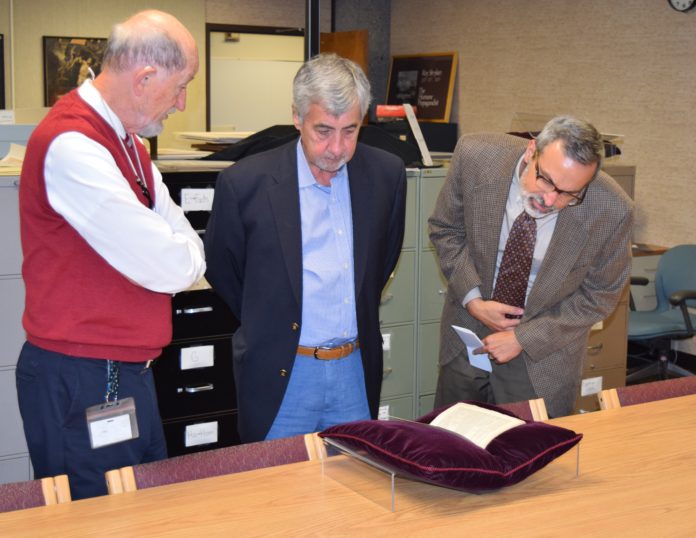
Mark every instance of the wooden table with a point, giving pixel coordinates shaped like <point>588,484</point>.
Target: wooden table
<point>637,478</point>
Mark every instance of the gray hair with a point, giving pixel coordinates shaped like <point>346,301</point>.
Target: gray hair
<point>333,82</point>
<point>581,141</point>
<point>143,40</point>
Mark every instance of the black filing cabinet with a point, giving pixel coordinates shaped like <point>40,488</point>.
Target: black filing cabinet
<point>194,375</point>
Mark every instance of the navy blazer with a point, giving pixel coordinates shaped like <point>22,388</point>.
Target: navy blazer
<point>253,250</point>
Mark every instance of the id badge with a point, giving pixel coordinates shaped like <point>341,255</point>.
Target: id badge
<point>112,422</point>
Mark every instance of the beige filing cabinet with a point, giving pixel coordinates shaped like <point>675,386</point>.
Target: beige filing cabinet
<point>14,458</point>
<point>411,307</point>
<point>605,362</point>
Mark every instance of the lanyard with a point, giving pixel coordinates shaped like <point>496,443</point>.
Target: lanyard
<point>139,178</point>
<point>113,371</point>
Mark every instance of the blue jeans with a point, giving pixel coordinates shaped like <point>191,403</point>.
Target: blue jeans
<point>321,394</point>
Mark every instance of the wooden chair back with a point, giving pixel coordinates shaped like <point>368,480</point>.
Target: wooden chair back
<point>647,392</point>
<point>33,493</point>
<point>233,459</point>
<point>534,410</point>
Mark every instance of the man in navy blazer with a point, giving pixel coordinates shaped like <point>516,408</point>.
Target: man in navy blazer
<point>300,243</point>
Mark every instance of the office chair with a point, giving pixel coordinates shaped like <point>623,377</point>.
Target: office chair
<point>33,493</point>
<point>647,392</point>
<point>652,331</point>
<point>228,460</point>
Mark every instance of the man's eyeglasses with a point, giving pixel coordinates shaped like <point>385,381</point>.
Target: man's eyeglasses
<point>548,185</point>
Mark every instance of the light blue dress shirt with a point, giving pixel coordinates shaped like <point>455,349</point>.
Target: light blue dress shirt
<point>328,283</point>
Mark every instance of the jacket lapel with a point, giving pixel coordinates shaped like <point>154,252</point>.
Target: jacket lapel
<point>568,240</point>
<point>491,198</point>
<point>362,203</point>
<point>284,198</point>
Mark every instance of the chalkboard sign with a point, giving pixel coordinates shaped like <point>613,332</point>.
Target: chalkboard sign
<point>426,81</point>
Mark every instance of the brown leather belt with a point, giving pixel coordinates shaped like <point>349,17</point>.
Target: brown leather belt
<point>328,353</point>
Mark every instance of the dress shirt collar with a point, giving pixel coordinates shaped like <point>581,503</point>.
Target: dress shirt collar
<point>304,174</point>
<point>93,98</point>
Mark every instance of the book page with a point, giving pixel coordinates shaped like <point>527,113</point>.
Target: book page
<point>478,425</point>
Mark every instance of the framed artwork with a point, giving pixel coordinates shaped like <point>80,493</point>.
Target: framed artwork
<point>67,61</point>
<point>2,72</point>
<point>425,81</point>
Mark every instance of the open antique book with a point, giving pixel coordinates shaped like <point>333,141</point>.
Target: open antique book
<point>477,424</point>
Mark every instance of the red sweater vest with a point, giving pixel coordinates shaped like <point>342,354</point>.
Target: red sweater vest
<point>76,303</point>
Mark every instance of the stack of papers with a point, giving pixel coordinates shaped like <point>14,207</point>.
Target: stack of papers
<point>229,137</point>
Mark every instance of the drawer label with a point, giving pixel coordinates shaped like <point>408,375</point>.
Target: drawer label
<point>197,199</point>
<point>386,342</point>
<point>591,385</point>
<point>383,413</point>
<point>201,434</point>
<point>197,357</point>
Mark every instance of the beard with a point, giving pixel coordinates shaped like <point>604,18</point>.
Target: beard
<point>151,129</point>
<point>535,206</point>
<point>330,163</point>
<point>155,127</point>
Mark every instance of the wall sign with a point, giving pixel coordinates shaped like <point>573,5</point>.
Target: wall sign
<point>425,81</point>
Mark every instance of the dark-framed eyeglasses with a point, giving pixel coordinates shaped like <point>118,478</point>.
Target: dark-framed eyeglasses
<point>575,198</point>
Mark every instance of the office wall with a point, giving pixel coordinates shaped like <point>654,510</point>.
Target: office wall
<point>626,66</point>
<point>5,30</point>
<point>36,18</point>
<point>265,13</point>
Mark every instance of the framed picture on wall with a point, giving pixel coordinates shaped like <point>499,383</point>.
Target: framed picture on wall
<point>2,72</point>
<point>425,81</point>
<point>67,61</point>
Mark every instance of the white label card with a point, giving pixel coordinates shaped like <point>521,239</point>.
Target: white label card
<point>197,357</point>
<point>383,413</point>
<point>201,434</point>
<point>110,430</point>
<point>591,385</point>
<point>197,199</point>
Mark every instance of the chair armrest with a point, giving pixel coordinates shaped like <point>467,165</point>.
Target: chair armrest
<point>681,296</point>
<point>639,281</point>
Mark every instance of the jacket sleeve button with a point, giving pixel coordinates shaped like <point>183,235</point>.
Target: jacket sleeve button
<point>295,326</point>
<point>283,373</point>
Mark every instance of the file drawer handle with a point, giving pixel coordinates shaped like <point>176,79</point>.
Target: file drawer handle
<point>442,292</point>
<point>387,298</point>
<point>386,372</point>
<point>199,310</point>
<point>595,350</point>
<point>197,388</point>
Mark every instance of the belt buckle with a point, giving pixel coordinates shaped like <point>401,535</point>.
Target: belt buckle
<point>321,348</point>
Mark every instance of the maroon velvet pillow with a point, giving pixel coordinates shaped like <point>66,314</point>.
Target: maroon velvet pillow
<point>447,459</point>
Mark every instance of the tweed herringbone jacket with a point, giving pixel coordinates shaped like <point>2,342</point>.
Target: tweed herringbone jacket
<point>579,283</point>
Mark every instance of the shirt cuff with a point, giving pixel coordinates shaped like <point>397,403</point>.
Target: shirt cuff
<point>475,293</point>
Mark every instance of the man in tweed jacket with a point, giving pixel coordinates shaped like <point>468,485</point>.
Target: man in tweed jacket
<point>580,265</point>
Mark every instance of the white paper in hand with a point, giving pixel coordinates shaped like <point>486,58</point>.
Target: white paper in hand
<point>472,342</point>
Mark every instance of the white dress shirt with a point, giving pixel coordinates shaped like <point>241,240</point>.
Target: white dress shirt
<point>155,248</point>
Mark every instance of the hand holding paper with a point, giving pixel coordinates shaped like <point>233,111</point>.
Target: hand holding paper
<point>472,342</point>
